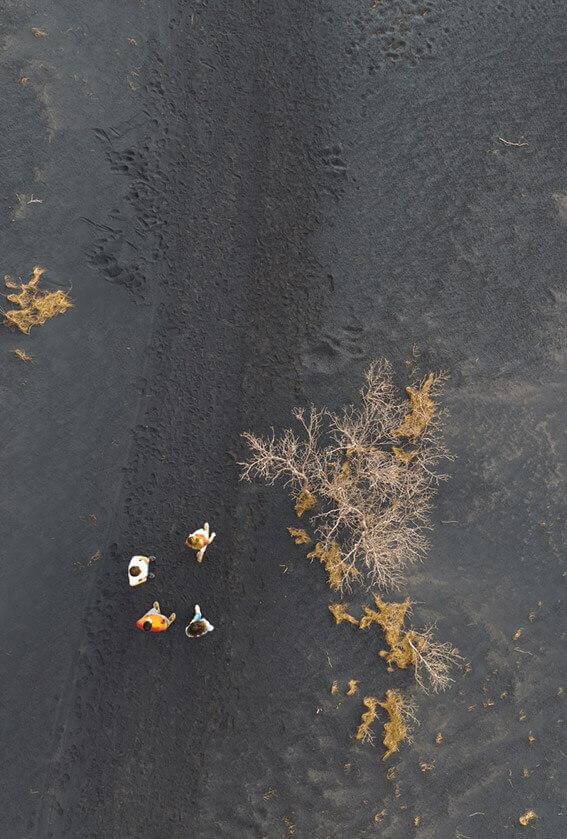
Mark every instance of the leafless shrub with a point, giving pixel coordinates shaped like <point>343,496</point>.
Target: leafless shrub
<point>401,719</point>
<point>364,731</point>
<point>433,660</point>
<point>374,493</point>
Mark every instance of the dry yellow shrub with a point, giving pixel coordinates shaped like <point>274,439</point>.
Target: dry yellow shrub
<point>428,657</point>
<point>363,732</point>
<point>34,309</point>
<point>405,651</point>
<point>390,617</point>
<point>300,536</point>
<point>22,355</point>
<point>395,730</point>
<point>305,501</point>
<point>422,410</point>
<point>527,817</point>
<point>340,614</point>
<point>334,565</point>
<point>352,687</point>
<point>334,687</point>
<point>405,457</point>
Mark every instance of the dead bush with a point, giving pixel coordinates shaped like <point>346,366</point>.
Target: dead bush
<point>400,716</point>
<point>33,308</point>
<point>373,495</point>
<point>431,660</point>
<point>364,731</point>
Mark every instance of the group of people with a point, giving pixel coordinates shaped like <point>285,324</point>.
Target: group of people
<point>139,572</point>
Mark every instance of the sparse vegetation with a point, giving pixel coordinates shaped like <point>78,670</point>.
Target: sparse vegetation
<point>370,472</point>
<point>422,409</point>
<point>373,501</point>
<point>335,565</point>
<point>22,355</point>
<point>527,817</point>
<point>299,536</point>
<point>364,731</point>
<point>33,308</point>
<point>432,660</point>
<point>305,501</point>
<point>352,687</point>
<point>397,729</point>
<point>340,614</point>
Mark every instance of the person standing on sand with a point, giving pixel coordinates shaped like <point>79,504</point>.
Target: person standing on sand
<point>199,541</point>
<point>198,625</point>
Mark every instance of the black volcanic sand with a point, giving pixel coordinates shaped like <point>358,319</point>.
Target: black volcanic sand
<point>248,203</point>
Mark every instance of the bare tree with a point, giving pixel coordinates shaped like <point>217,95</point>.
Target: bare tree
<point>372,470</point>
<point>432,660</point>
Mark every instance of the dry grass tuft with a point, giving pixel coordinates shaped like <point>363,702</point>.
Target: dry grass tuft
<point>432,661</point>
<point>364,731</point>
<point>527,817</point>
<point>22,355</point>
<point>340,614</point>
<point>330,557</point>
<point>38,33</point>
<point>305,501</point>
<point>374,501</point>
<point>405,457</point>
<point>422,409</point>
<point>390,617</point>
<point>334,687</point>
<point>352,687</point>
<point>396,730</point>
<point>33,308</point>
<point>300,536</point>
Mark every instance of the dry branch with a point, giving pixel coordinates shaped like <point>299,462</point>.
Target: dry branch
<point>364,731</point>
<point>373,495</point>
<point>299,536</point>
<point>340,614</point>
<point>352,687</point>
<point>397,729</point>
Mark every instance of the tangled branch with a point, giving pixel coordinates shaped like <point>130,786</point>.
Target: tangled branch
<point>372,469</point>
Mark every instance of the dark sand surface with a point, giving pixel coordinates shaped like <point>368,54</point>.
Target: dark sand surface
<point>248,203</point>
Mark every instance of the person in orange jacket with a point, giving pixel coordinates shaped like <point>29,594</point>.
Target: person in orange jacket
<point>154,621</point>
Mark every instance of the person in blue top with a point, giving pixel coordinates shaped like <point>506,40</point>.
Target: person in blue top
<point>198,625</point>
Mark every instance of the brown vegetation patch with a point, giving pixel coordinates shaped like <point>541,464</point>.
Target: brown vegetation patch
<point>431,660</point>
<point>330,557</point>
<point>340,614</point>
<point>305,501</point>
<point>395,730</point>
<point>33,308</point>
<point>405,457</point>
<point>390,617</point>
<point>422,409</point>
<point>528,817</point>
<point>352,687</point>
<point>300,536</point>
<point>364,731</point>
<point>373,508</point>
